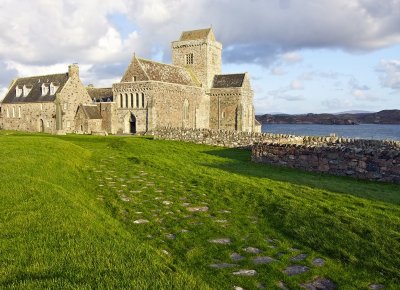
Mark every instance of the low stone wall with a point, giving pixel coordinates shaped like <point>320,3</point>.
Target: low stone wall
<point>231,139</point>
<point>364,159</point>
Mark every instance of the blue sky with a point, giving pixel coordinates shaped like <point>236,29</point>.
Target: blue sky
<point>303,56</point>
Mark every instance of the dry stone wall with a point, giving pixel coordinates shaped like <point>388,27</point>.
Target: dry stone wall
<point>364,159</point>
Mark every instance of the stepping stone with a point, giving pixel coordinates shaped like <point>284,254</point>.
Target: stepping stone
<point>221,221</point>
<point>136,191</point>
<point>225,211</point>
<point>141,221</point>
<point>318,262</point>
<point>320,284</point>
<point>299,257</point>
<point>223,265</point>
<point>252,250</point>
<point>223,241</point>
<point>236,257</point>
<point>245,273</point>
<point>198,209</point>
<point>282,285</point>
<point>263,260</point>
<point>238,288</point>
<point>125,198</point>
<point>376,286</point>
<point>171,236</point>
<point>101,185</point>
<point>295,270</point>
<point>166,202</point>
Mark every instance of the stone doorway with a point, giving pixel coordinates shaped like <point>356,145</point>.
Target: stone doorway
<point>41,125</point>
<point>132,124</point>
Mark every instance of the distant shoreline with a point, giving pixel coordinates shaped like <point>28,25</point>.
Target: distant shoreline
<point>383,117</point>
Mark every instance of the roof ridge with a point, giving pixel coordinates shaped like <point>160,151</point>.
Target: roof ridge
<point>157,62</point>
<point>42,76</point>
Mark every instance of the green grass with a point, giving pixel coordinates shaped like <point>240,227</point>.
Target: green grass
<point>65,224</point>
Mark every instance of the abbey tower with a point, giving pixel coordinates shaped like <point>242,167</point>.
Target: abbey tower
<point>198,51</point>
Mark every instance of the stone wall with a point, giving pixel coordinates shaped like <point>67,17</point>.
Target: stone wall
<point>365,159</point>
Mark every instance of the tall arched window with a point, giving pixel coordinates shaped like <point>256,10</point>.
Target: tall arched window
<point>142,100</point>
<point>121,101</point>
<point>132,101</point>
<point>186,110</point>
<point>126,101</point>
<point>137,100</point>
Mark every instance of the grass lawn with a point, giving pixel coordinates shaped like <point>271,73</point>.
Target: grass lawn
<point>132,212</point>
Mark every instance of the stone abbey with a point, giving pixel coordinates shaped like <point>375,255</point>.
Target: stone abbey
<point>191,93</point>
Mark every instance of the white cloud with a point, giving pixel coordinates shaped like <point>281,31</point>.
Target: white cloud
<point>390,73</point>
<point>362,95</point>
<point>296,85</point>
<point>291,57</point>
<point>278,71</point>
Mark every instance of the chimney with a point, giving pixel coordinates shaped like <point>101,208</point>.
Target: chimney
<point>73,70</point>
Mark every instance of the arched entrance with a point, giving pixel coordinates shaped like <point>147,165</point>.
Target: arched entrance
<point>41,125</point>
<point>132,124</point>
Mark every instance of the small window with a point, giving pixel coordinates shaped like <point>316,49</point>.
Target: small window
<point>7,113</point>
<point>189,58</point>
<point>134,79</point>
<point>142,100</point>
<point>18,91</point>
<point>121,101</point>
<point>126,101</point>
<point>45,89</point>
<point>137,100</point>
<point>132,101</point>
<point>223,115</point>
<point>13,112</point>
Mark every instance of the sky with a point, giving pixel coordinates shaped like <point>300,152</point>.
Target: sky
<point>302,55</point>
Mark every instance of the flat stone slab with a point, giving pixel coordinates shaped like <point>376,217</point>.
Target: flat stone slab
<point>299,257</point>
<point>170,236</point>
<point>245,273</point>
<point>238,288</point>
<point>198,209</point>
<point>252,250</point>
<point>223,265</point>
<point>141,221</point>
<point>166,202</point>
<point>296,270</point>
<point>282,285</point>
<point>236,257</point>
<point>263,260</point>
<point>222,241</point>
<point>376,286</point>
<point>320,284</point>
<point>318,262</point>
<point>125,198</point>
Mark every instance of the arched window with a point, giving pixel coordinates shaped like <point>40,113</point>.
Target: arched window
<point>19,112</point>
<point>137,100</point>
<point>186,110</point>
<point>126,101</point>
<point>142,100</point>
<point>13,112</point>
<point>121,101</point>
<point>132,101</point>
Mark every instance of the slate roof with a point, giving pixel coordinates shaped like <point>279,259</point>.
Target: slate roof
<point>166,73</point>
<point>228,81</point>
<point>35,95</point>
<point>100,94</point>
<point>91,111</point>
<point>197,34</point>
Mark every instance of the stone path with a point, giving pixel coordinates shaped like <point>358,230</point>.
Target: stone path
<point>150,206</point>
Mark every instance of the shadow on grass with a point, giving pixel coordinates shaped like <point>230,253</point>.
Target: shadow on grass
<point>240,163</point>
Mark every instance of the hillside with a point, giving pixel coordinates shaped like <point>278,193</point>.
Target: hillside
<point>382,117</point>
<point>133,212</point>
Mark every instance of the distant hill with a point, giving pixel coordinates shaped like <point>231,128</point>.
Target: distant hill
<point>346,118</point>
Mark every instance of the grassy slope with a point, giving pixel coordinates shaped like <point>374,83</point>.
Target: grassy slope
<point>63,221</point>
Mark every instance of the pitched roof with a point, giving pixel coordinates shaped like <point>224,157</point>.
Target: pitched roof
<point>35,95</point>
<point>91,111</point>
<point>198,34</point>
<point>228,81</point>
<point>166,73</point>
<point>100,94</point>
